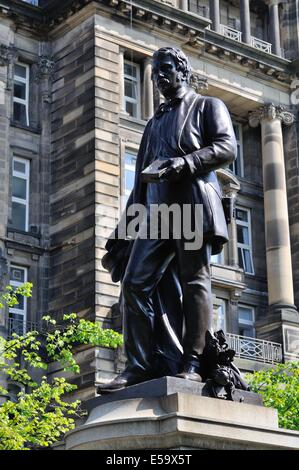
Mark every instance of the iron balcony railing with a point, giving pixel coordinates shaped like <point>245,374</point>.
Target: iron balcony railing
<point>236,35</point>
<point>231,33</point>
<point>20,327</point>
<point>255,349</point>
<point>261,45</point>
<point>245,347</point>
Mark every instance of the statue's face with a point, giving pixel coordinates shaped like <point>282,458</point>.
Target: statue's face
<point>165,75</point>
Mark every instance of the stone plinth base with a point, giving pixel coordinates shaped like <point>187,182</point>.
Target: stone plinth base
<point>176,420</point>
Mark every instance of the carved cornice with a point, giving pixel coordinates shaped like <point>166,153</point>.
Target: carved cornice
<point>44,68</point>
<point>25,15</point>
<point>270,112</point>
<point>158,15</point>
<point>193,30</point>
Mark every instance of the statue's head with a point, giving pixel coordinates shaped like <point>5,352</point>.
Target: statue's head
<point>170,70</point>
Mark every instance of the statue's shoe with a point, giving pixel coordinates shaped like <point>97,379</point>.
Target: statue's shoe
<point>123,380</point>
<point>190,372</point>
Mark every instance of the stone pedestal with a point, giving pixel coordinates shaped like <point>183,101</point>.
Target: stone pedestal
<point>177,414</point>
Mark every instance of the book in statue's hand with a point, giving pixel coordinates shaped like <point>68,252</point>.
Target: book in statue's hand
<point>154,173</point>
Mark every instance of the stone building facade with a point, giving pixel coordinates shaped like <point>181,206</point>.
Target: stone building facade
<point>75,95</point>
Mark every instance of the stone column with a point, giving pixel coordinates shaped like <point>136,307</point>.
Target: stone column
<point>148,90</point>
<point>43,75</point>
<point>245,21</point>
<point>274,26</point>
<point>121,81</point>
<point>278,250</point>
<point>215,15</point>
<point>184,5</point>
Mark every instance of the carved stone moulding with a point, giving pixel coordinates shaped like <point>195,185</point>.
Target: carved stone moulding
<point>44,68</point>
<point>8,54</point>
<point>198,82</point>
<point>246,62</point>
<point>270,111</point>
<point>154,18</point>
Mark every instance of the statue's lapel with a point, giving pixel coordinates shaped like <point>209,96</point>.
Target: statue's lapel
<point>186,109</point>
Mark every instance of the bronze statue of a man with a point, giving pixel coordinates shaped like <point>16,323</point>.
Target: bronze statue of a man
<point>191,135</point>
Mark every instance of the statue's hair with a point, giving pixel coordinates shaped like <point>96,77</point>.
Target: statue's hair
<point>180,60</point>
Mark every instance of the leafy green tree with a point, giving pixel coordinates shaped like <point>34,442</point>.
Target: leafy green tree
<point>279,387</point>
<point>40,414</point>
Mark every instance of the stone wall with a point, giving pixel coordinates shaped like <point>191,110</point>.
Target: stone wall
<point>107,163</point>
<point>4,181</point>
<point>290,29</point>
<point>72,266</point>
<point>291,136</point>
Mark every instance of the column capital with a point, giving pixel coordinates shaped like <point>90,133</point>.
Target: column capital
<point>198,82</point>
<point>230,184</point>
<point>270,112</point>
<point>8,54</point>
<point>44,68</point>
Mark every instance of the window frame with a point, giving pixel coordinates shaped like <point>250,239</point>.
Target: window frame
<point>138,89</point>
<point>133,150</point>
<point>14,284</point>
<point>200,10</point>
<point>218,259</point>
<point>247,322</point>
<point>27,179</point>
<point>240,150</point>
<point>219,302</point>
<point>243,245</point>
<point>32,2</point>
<point>27,84</point>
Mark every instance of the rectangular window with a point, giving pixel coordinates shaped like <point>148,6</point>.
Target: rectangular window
<point>237,167</point>
<point>32,2</point>
<point>234,23</point>
<point>130,164</point>
<point>18,314</point>
<point>21,94</point>
<point>219,317</point>
<point>20,193</point>
<point>244,239</point>
<point>246,321</point>
<point>132,89</point>
<point>217,259</point>
<point>200,7</point>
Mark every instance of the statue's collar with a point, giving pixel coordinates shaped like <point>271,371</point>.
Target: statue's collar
<point>174,101</point>
<point>181,92</point>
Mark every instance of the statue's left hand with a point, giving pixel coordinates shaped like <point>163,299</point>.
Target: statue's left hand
<point>175,168</point>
